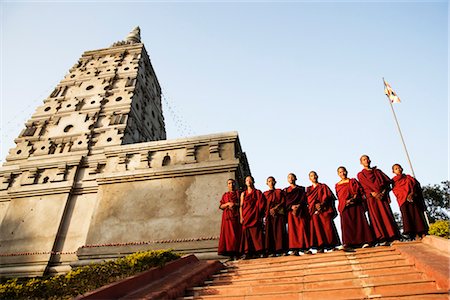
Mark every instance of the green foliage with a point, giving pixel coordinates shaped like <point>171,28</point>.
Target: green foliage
<point>398,220</point>
<point>84,279</point>
<point>440,228</point>
<point>437,199</point>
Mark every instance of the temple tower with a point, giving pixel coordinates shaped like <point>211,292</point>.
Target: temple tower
<point>92,170</point>
<point>109,97</point>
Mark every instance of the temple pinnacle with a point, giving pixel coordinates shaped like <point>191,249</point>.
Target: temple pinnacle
<point>134,36</point>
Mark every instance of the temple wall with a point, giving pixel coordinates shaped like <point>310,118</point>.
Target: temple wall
<point>56,209</point>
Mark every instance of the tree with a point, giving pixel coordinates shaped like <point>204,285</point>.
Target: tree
<point>437,198</point>
<point>398,220</point>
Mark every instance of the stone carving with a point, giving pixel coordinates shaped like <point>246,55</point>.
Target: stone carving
<point>61,173</point>
<point>214,153</point>
<point>190,155</point>
<point>6,181</point>
<point>32,177</point>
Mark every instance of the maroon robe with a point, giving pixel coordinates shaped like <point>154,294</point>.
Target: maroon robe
<point>275,228</point>
<point>355,228</point>
<point>298,223</point>
<point>323,232</point>
<point>230,230</point>
<point>252,240</point>
<point>412,212</point>
<point>380,213</point>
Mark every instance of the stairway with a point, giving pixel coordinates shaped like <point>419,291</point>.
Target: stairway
<point>380,272</point>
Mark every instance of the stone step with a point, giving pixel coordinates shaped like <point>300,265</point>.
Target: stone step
<point>443,295</point>
<point>317,268</point>
<point>322,256</point>
<point>306,284</point>
<point>392,290</point>
<point>306,259</point>
<point>331,277</point>
<point>299,263</point>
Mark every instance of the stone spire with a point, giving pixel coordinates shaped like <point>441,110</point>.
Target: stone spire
<point>134,36</point>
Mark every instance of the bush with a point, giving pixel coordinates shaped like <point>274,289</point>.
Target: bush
<point>440,228</point>
<point>84,279</point>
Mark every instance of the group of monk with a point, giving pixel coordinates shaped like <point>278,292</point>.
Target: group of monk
<point>296,220</point>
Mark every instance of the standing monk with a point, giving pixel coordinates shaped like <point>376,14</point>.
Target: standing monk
<point>322,210</point>
<point>275,241</point>
<point>230,230</point>
<point>356,231</point>
<point>376,187</point>
<point>251,214</point>
<point>412,205</point>
<point>297,216</point>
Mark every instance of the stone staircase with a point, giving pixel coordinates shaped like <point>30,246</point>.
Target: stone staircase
<point>380,272</point>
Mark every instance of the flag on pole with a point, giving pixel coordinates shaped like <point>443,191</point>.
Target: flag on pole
<point>390,93</point>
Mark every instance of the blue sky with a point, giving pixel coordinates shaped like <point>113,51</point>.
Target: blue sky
<point>300,81</point>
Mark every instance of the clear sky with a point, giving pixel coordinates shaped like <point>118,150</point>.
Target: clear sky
<point>300,81</point>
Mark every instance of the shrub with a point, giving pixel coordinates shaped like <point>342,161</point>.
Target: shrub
<point>84,279</point>
<point>440,228</point>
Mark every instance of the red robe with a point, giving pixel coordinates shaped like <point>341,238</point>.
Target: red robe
<point>380,213</point>
<point>298,224</point>
<point>252,240</point>
<point>412,212</point>
<point>355,228</point>
<point>275,228</point>
<point>230,230</point>
<point>323,233</point>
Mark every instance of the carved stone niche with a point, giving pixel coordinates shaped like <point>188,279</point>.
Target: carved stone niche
<point>42,147</point>
<point>80,143</point>
<point>48,108</point>
<point>69,105</point>
<point>96,168</point>
<point>30,130</point>
<point>6,181</point>
<point>31,176</point>
<point>146,160</point>
<point>59,91</point>
<point>61,173</point>
<point>214,151</point>
<point>21,151</point>
<point>190,155</point>
<point>123,160</point>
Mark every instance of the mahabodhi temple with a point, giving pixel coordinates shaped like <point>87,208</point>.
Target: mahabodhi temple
<point>92,175</point>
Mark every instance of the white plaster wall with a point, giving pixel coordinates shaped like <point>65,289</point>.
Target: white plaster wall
<point>169,208</point>
<point>31,224</point>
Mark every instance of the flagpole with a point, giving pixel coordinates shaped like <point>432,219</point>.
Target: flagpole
<point>404,145</point>
<point>401,135</point>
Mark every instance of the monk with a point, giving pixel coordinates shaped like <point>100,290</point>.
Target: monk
<point>297,217</point>
<point>251,216</point>
<point>356,231</point>
<point>376,186</point>
<point>409,196</point>
<point>230,230</point>
<point>323,232</point>
<point>275,227</point>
